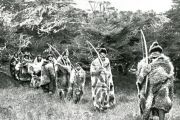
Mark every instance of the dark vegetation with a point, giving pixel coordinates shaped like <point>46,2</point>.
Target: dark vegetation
<point>31,25</point>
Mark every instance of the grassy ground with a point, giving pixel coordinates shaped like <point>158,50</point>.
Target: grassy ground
<point>24,103</point>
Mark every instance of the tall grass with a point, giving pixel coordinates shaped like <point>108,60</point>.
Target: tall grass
<point>24,103</point>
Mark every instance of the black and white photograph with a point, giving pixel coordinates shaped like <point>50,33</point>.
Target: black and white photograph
<point>89,59</point>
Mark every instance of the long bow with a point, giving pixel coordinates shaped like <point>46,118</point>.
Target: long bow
<point>96,53</point>
<point>53,49</point>
<point>146,55</point>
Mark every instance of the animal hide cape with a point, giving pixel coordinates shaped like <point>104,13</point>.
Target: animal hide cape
<point>77,77</point>
<point>77,82</point>
<point>47,73</point>
<point>63,73</point>
<point>159,93</point>
<point>105,76</point>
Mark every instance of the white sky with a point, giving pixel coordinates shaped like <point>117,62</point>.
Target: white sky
<point>132,5</point>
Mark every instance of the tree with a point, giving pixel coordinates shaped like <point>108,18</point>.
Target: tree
<point>59,23</point>
<point>174,15</point>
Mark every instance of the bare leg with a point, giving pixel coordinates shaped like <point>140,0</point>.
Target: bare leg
<point>151,116</point>
<point>112,99</point>
<point>93,85</point>
<point>93,96</point>
<point>161,115</point>
<point>142,103</point>
<point>61,94</point>
<point>148,105</point>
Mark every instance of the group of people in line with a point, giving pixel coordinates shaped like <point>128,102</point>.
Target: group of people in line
<point>155,80</point>
<point>59,75</point>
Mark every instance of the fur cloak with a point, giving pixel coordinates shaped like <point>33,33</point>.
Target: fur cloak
<point>63,71</point>
<point>47,73</point>
<point>159,93</point>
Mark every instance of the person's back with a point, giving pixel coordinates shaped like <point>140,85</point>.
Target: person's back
<point>157,95</point>
<point>77,82</point>
<point>63,70</point>
<point>48,75</point>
